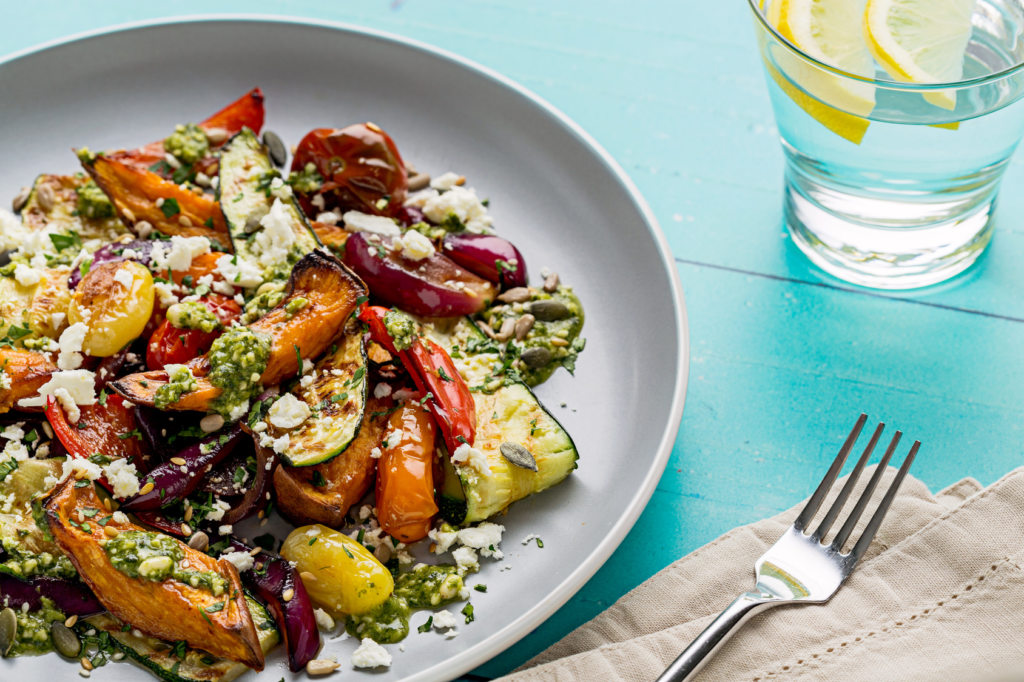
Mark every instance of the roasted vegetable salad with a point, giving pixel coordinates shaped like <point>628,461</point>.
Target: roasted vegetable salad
<point>195,339</point>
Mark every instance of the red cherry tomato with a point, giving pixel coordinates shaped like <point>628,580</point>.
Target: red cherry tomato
<point>361,168</point>
<point>169,345</point>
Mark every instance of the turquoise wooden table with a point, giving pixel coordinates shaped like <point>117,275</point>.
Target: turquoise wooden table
<point>783,357</point>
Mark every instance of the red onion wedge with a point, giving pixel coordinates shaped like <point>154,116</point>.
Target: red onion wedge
<point>69,596</point>
<point>489,256</point>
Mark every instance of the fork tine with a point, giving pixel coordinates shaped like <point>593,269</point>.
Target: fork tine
<point>883,508</point>
<point>844,533</point>
<point>826,483</point>
<point>851,481</point>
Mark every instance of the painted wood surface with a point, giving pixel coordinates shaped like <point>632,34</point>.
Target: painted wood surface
<point>783,357</point>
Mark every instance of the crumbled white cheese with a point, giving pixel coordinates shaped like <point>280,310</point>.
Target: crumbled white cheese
<point>57,319</point>
<point>27,276</point>
<point>469,456</point>
<point>217,513</point>
<point>443,540</point>
<point>80,468</point>
<point>182,251</point>
<point>366,222</point>
<point>14,449</point>
<point>240,272</point>
<point>393,438</point>
<point>71,388</point>
<point>120,517</point>
<point>124,277</point>
<point>445,181</point>
<point>12,233</point>
<point>165,293</point>
<point>242,561</point>
<point>280,444</point>
<point>225,529</point>
<point>444,619</point>
<point>485,537</point>
<point>275,240</point>
<point>376,453</point>
<point>70,344</point>
<point>279,189</point>
<point>287,412</point>
<point>323,620</point>
<point>370,655</point>
<point>5,380</point>
<point>413,245</point>
<point>328,218</point>
<point>460,201</point>
<point>465,559</point>
<point>238,411</point>
<point>13,431</point>
<point>123,478</point>
<point>381,390</point>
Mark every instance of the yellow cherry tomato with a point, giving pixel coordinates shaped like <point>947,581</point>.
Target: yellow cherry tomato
<point>347,578</point>
<point>115,301</point>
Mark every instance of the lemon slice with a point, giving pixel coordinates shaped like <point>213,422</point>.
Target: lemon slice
<point>921,41</point>
<point>821,28</point>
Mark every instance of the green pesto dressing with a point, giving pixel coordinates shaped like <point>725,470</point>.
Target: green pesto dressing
<point>92,202</point>
<point>308,180</point>
<point>400,327</point>
<point>424,587</point>
<point>179,382</point>
<point>34,629</point>
<point>560,338</point>
<point>156,557</point>
<point>22,564</point>
<point>187,143</point>
<point>293,306</point>
<point>237,359</point>
<point>192,315</point>
<point>261,304</point>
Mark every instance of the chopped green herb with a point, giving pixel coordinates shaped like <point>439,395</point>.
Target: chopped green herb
<point>467,611</point>
<point>170,207</point>
<point>426,626</point>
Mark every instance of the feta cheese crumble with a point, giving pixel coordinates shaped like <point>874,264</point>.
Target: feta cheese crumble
<point>123,478</point>
<point>242,561</point>
<point>71,388</point>
<point>370,655</point>
<point>70,345</point>
<point>287,412</point>
<point>365,222</point>
<point>413,245</point>
<point>27,276</point>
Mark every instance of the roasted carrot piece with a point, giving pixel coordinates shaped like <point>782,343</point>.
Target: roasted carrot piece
<point>323,493</point>
<point>332,293</point>
<point>26,370</point>
<point>135,193</point>
<point>168,609</point>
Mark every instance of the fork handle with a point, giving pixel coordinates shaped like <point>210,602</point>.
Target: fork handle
<point>721,628</point>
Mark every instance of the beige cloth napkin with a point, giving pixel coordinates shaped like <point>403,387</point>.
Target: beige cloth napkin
<point>938,596</point>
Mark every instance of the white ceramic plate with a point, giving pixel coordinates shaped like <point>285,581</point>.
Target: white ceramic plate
<point>553,191</point>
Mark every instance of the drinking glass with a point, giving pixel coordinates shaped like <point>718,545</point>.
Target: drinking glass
<point>891,184</point>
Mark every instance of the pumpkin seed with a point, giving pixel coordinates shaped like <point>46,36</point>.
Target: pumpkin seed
<point>22,198</point>
<point>518,455</point>
<point>65,641</point>
<point>252,223</point>
<point>508,327</point>
<point>549,310</point>
<point>536,357</point>
<point>523,326</point>
<point>199,541</point>
<point>551,283</point>
<point>418,182</point>
<point>46,197</point>
<point>8,630</point>
<point>515,295</point>
<point>278,152</point>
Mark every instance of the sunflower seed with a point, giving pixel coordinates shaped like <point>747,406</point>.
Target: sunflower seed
<point>518,455</point>
<point>199,541</point>
<point>549,310</point>
<point>536,357</point>
<point>65,641</point>
<point>523,326</point>
<point>418,182</point>
<point>46,197</point>
<point>515,295</point>
<point>8,630</point>
<point>321,666</point>
<point>551,283</point>
<point>22,198</point>
<point>508,327</point>
<point>278,152</point>
<point>486,329</point>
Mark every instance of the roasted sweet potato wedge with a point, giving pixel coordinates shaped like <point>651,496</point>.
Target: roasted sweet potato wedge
<point>26,370</point>
<point>331,236</point>
<point>344,479</point>
<point>169,609</point>
<point>135,193</point>
<point>331,292</point>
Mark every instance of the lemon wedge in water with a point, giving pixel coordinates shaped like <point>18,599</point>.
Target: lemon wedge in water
<point>921,41</point>
<point>828,31</point>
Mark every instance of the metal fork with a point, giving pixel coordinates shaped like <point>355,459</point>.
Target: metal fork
<point>801,568</point>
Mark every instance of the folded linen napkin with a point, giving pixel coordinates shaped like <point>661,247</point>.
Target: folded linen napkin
<point>938,596</point>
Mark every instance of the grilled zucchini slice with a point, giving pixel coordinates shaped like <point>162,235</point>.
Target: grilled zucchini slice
<point>509,414</point>
<point>247,194</point>
<point>337,399</point>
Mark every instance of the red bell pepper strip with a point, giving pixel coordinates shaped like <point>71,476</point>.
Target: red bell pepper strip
<point>108,429</point>
<point>432,370</point>
<point>78,448</point>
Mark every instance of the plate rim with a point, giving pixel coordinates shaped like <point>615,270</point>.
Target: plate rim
<point>506,636</point>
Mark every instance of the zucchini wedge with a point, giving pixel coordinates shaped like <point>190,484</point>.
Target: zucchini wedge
<point>215,620</point>
<point>53,204</point>
<point>247,198</point>
<point>337,400</point>
<point>509,414</point>
<point>324,492</point>
<point>173,663</point>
